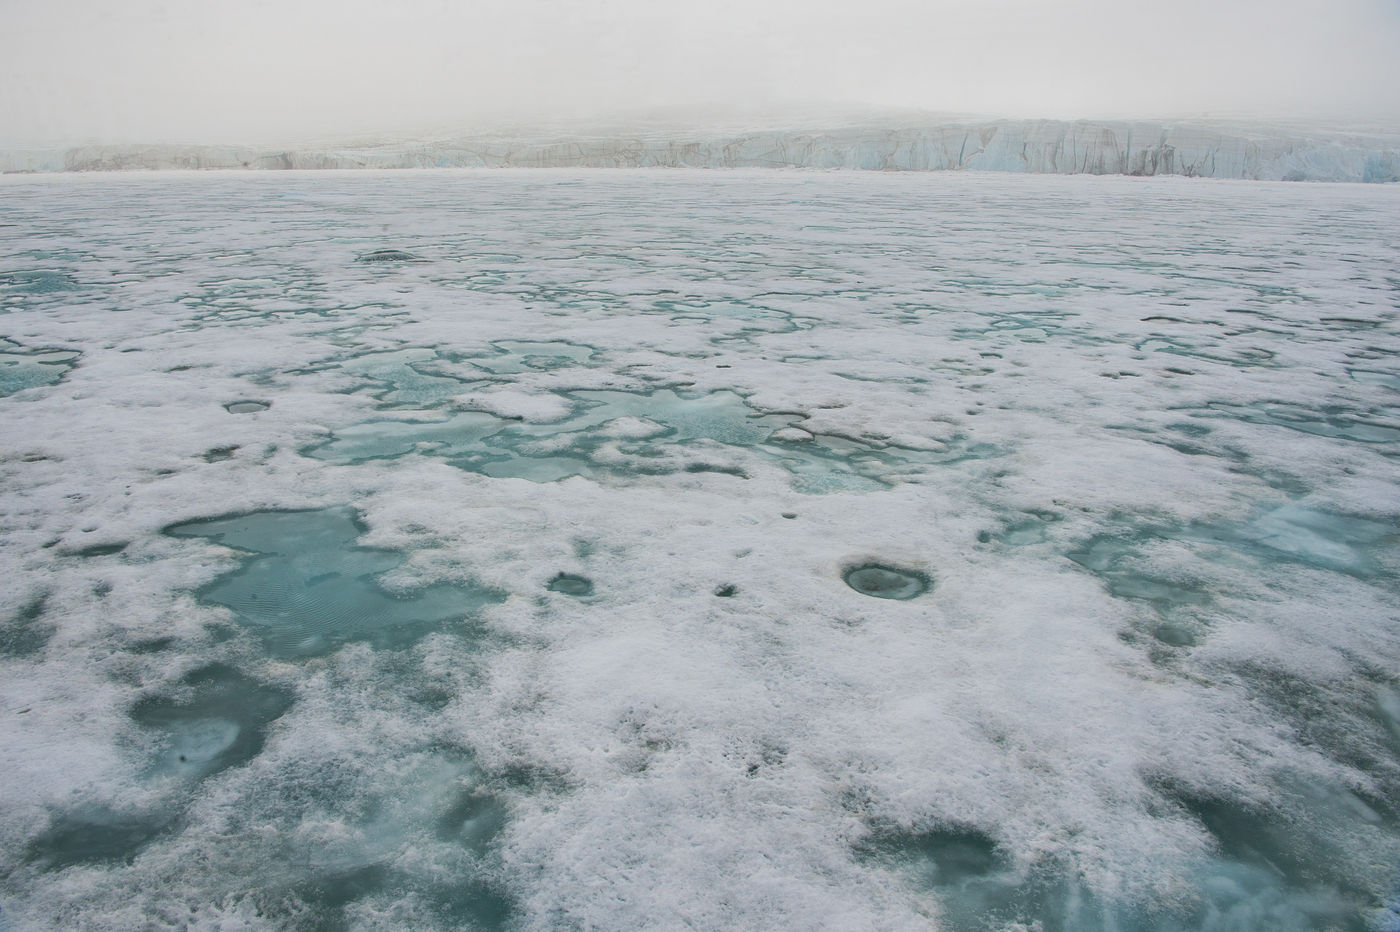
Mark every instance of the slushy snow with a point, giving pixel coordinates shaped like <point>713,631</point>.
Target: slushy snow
<point>747,550</point>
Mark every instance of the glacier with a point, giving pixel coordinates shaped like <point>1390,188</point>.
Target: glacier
<point>1201,148</point>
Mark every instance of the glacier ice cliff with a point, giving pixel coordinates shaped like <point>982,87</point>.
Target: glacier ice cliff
<point>1200,149</point>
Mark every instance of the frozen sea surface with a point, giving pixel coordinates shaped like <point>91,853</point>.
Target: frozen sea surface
<point>623,550</point>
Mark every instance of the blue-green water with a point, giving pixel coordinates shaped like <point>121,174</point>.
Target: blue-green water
<point>306,588</point>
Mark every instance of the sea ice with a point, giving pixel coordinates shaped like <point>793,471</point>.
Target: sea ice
<point>508,602</point>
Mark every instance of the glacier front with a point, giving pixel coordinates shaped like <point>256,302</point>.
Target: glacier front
<point>1201,148</point>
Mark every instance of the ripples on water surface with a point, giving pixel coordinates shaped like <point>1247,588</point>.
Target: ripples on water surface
<point>723,550</point>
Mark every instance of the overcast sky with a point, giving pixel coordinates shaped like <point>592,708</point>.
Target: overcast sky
<point>281,70</point>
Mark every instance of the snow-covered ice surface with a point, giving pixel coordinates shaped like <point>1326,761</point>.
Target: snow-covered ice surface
<point>698,550</point>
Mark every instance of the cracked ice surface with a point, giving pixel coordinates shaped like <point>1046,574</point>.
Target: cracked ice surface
<point>503,587</point>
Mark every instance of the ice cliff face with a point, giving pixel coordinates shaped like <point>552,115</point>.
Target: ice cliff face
<point>1200,149</point>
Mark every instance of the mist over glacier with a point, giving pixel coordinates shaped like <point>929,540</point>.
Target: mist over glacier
<point>265,74</point>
